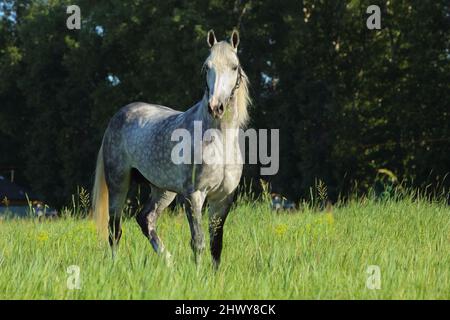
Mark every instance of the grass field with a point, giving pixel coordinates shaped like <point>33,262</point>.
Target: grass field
<point>307,255</point>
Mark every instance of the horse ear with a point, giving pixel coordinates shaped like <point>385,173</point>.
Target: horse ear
<point>234,39</point>
<point>211,38</point>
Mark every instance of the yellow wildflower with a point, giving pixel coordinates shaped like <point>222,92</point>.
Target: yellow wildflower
<point>281,229</point>
<point>42,236</point>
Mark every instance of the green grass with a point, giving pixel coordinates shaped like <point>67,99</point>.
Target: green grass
<point>306,255</point>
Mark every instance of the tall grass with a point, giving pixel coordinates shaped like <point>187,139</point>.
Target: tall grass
<point>309,254</point>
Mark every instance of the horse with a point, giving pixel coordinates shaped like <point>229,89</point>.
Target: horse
<point>139,137</point>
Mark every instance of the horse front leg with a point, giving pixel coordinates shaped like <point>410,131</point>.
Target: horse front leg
<point>218,212</point>
<point>194,205</point>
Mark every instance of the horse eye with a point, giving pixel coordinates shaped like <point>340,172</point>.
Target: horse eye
<point>235,68</point>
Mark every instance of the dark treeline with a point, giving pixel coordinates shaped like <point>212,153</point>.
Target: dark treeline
<point>347,100</point>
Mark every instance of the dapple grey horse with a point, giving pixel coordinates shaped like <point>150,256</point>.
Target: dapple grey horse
<point>139,137</point>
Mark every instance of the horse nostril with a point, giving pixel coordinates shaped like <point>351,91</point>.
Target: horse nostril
<point>221,109</point>
<point>210,109</point>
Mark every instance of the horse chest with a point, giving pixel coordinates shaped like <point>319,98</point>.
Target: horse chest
<point>222,168</point>
<point>221,179</point>
<point>231,177</point>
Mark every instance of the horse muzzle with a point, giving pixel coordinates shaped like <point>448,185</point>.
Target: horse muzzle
<point>216,110</point>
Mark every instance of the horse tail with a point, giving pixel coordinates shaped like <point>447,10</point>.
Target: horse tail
<point>100,205</point>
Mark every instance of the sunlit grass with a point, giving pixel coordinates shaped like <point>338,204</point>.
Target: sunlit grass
<point>306,255</point>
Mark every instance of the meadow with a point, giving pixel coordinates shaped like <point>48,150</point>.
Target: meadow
<point>308,254</point>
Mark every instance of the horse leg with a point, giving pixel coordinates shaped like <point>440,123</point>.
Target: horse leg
<point>194,204</point>
<point>118,182</point>
<point>218,212</point>
<point>147,217</point>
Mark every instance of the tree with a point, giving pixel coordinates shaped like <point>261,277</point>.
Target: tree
<point>347,100</point>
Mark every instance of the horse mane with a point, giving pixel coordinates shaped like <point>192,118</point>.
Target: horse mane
<point>243,100</point>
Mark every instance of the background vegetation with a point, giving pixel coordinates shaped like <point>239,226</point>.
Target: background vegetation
<point>348,100</point>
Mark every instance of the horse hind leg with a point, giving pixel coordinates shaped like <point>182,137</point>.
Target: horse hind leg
<point>148,216</point>
<point>118,185</point>
<point>117,175</point>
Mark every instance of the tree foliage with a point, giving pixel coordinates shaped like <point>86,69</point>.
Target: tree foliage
<point>347,100</point>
